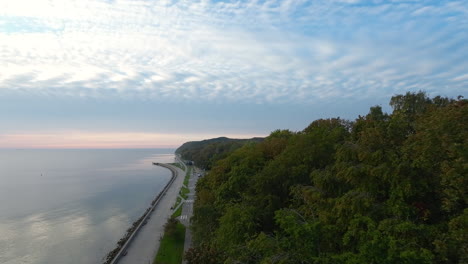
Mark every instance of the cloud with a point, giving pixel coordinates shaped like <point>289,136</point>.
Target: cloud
<point>463,77</point>
<point>249,51</point>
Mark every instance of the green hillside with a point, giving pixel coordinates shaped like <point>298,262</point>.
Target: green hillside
<point>384,188</point>
<point>204,153</point>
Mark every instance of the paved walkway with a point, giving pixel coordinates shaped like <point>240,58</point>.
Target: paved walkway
<point>144,247</point>
<point>187,209</point>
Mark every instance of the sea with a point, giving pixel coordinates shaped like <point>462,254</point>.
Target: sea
<point>72,206</point>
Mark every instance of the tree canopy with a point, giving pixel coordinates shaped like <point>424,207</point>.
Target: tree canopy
<point>206,152</point>
<point>384,188</point>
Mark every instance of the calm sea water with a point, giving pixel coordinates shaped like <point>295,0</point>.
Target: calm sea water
<point>72,206</point>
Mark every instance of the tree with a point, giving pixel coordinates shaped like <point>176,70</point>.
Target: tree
<point>385,188</point>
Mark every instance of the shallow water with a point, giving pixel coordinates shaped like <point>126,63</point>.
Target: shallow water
<point>72,206</point>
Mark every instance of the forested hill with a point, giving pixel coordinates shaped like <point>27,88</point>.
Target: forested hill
<point>204,153</point>
<point>384,188</point>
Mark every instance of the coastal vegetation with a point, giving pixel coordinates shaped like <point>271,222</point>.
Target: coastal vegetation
<point>177,212</point>
<point>187,175</point>
<point>171,248</point>
<point>183,192</point>
<point>178,201</point>
<point>384,188</point>
<point>206,152</point>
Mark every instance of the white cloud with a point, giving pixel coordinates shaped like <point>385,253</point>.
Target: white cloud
<point>463,77</point>
<point>291,51</point>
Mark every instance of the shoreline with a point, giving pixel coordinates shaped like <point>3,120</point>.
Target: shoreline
<point>123,244</point>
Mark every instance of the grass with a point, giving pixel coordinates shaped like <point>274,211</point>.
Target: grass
<point>171,249</point>
<point>177,213</point>
<point>177,202</point>
<point>187,176</point>
<point>183,192</point>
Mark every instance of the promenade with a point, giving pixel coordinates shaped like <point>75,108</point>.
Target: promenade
<point>144,247</point>
<point>187,208</point>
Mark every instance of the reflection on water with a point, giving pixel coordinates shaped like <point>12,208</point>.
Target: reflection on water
<point>80,206</point>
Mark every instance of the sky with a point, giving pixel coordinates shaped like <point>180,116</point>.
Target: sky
<point>148,74</point>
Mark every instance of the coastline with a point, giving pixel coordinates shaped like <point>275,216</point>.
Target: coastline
<point>145,244</point>
<point>124,243</point>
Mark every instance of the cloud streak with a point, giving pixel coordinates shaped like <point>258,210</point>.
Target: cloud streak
<point>249,51</point>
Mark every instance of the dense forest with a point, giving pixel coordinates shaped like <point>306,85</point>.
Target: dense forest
<point>206,152</point>
<point>384,188</point>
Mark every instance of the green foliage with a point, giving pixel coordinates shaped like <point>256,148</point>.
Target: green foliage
<point>385,188</point>
<point>205,153</point>
<point>171,249</point>
<point>171,226</point>
<point>187,176</point>
<point>178,201</point>
<point>237,225</point>
<point>204,254</point>
<point>177,213</point>
<point>183,192</point>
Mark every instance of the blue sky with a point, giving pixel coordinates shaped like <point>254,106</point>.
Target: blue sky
<point>93,73</point>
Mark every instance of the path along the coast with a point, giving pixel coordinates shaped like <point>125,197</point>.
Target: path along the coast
<point>144,247</point>
<point>187,208</point>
